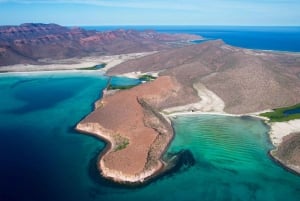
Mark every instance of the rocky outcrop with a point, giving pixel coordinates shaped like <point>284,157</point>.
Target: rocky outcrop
<point>287,153</point>
<point>31,43</point>
<point>137,133</point>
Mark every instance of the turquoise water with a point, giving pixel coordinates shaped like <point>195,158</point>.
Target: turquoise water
<point>124,81</point>
<point>43,158</point>
<point>232,161</point>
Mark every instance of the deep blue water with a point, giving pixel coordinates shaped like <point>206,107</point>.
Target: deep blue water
<point>293,111</point>
<point>263,38</point>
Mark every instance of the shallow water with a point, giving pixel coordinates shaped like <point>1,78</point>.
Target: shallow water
<point>231,160</point>
<point>43,158</point>
<point>123,81</point>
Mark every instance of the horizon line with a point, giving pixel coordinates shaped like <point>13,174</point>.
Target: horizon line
<point>137,25</point>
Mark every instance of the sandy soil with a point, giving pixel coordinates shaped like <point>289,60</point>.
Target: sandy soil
<point>281,129</point>
<point>209,102</point>
<point>75,63</point>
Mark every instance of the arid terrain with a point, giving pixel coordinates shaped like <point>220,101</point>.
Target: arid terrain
<point>215,77</point>
<point>246,80</point>
<point>34,43</point>
<point>137,132</point>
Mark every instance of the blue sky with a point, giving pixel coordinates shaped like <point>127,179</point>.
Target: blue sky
<point>151,12</point>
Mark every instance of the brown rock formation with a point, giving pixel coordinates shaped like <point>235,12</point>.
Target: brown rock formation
<point>29,43</point>
<point>138,133</point>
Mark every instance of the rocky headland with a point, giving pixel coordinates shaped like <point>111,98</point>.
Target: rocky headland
<point>137,133</point>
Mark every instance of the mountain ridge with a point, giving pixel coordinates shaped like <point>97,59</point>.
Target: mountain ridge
<point>31,42</point>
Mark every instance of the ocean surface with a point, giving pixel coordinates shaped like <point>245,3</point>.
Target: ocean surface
<point>43,158</point>
<point>262,38</point>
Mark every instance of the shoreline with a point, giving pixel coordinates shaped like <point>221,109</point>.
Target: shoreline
<point>161,168</point>
<point>277,130</point>
<point>212,105</point>
<point>155,149</point>
<point>282,164</point>
<point>209,104</point>
<point>278,133</point>
<point>117,176</point>
<point>146,176</point>
<point>74,63</point>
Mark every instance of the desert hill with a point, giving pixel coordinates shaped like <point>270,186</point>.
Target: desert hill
<point>31,43</point>
<point>247,80</point>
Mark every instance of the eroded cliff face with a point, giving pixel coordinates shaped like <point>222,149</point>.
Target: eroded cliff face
<point>31,43</point>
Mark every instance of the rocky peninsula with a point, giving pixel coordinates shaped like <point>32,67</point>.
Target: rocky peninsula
<point>135,130</point>
<point>212,77</point>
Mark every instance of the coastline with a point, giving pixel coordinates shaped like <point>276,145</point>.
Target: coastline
<point>123,179</point>
<point>280,133</point>
<point>149,122</point>
<point>107,173</point>
<point>210,103</point>
<point>74,63</point>
<point>290,168</point>
<point>279,130</point>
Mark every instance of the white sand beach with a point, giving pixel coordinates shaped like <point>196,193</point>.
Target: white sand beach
<point>209,103</point>
<point>74,63</point>
<point>281,129</point>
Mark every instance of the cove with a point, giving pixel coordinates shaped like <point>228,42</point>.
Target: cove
<point>231,160</point>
